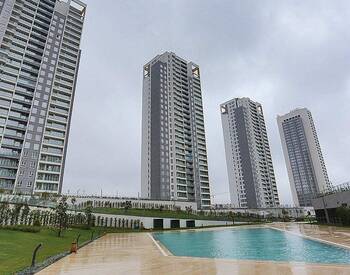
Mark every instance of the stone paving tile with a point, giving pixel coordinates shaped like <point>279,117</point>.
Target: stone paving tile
<point>136,253</point>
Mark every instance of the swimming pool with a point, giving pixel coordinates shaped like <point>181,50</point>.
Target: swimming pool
<point>252,244</point>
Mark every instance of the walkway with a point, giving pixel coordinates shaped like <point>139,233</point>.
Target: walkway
<point>137,253</point>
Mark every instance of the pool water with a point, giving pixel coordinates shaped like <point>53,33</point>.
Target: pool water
<point>252,244</point>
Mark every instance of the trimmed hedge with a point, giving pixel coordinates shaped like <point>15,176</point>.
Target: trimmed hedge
<point>343,214</point>
<point>80,226</point>
<point>23,228</point>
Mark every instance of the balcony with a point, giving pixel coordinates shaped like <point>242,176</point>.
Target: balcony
<point>5,174</point>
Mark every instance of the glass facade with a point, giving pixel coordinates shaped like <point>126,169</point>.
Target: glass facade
<point>300,160</point>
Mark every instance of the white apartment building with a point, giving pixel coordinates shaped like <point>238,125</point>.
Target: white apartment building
<point>249,165</point>
<point>39,60</point>
<point>174,154</point>
<point>302,152</point>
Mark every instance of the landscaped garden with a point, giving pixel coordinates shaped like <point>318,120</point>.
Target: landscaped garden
<point>23,228</point>
<point>16,247</point>
<point>179,214</point>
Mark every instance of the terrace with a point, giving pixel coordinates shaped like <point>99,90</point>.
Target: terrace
<point>132,253</point>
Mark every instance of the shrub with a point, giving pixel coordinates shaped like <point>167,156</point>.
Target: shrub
<point>23,228</point>
<point>80,226</point>
<point>343,213</point>
<point>36,223</point>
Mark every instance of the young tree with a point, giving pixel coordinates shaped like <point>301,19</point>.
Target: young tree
<point>308,216</point>
<point>88,214</point>
<point>73,201</point>
<point>4,212</point>
<point>127,206</point>
<point>15,212</point>
<point>45,196</point>
<point>285,215</point>
<point>36,215</point>
<point>24,215</point>
<point>232,216</point>
<point>62,216</point>
<point>189,210</point>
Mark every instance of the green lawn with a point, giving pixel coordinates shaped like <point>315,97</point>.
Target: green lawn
<point>157,213</point>
<point>16,247</point>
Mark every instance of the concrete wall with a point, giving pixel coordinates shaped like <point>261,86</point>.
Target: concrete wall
<point>136,203</point>
<point>148,221</point>
<point>332,201</point>
<point>293,212</point>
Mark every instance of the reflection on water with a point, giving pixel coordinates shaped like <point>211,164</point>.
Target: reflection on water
<point>253,244</point>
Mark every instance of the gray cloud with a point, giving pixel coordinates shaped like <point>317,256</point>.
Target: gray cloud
<point>284,54</point>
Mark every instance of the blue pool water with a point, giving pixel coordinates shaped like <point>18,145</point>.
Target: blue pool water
<point>252,244</point>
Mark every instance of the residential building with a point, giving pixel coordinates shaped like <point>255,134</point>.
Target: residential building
<point>174,154</point>
<point>302,152</point>
<point>249,165</point>
<point>39,60</point>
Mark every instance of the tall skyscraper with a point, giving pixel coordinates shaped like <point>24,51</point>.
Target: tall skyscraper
<point>39,59</point>
<point>174,155</point>
<point>249,164</point>
<point>302,152</point>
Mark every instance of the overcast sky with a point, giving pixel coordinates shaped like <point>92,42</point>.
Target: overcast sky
<point>283,54</point>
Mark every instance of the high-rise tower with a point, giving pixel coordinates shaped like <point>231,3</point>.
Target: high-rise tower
<point>174,155</point>
<point>39,60</point>
<point>249,164</point>
<point>302,152</point>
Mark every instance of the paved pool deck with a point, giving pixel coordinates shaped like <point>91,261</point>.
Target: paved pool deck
<point>138,253</point>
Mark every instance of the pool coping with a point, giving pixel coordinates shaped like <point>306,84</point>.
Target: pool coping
<point>165,251</point>
<point>160,246</point>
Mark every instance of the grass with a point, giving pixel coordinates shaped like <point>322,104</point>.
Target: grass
<point>158,213</point>
<point>16,247</point>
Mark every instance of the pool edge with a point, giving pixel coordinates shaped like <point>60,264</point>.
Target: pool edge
<point>166,252</point>
<point>310,238</point>
<point>163,249</point>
